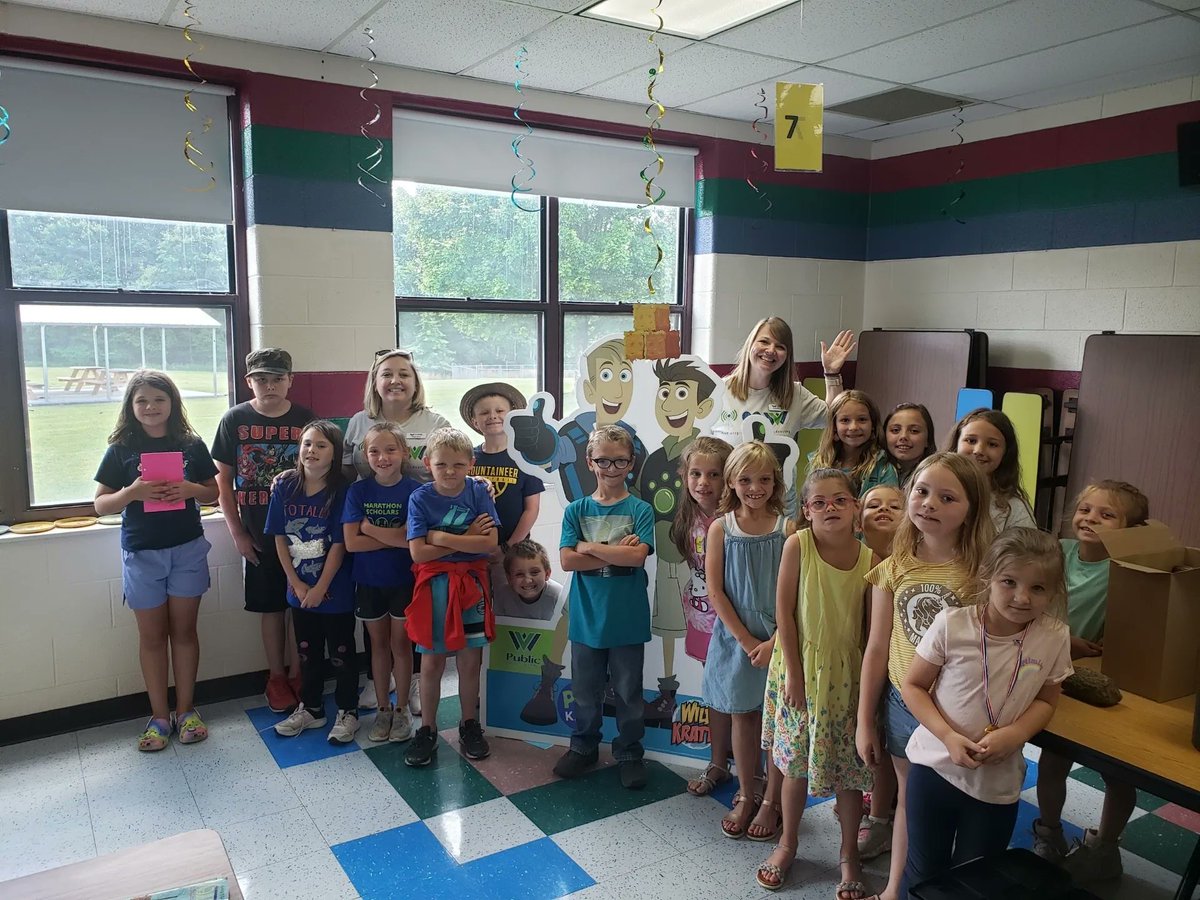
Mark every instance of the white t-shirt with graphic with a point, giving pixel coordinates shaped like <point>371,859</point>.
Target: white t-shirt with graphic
<point>416,433</point>
<point>807,411</point>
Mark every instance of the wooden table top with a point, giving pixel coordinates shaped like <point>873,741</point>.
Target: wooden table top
<point>1153,737</point>
<point>177,861</point>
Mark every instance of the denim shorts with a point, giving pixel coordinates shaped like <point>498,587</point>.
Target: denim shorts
<point>150,576</point>
<point>898,723</point>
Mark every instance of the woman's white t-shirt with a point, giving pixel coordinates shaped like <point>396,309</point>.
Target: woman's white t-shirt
<point>807,411</point>
<point>416,432</point>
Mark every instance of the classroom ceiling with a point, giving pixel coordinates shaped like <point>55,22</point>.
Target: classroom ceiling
<point>996,55</point>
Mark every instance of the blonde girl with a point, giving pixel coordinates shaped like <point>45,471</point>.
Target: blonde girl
<point>851,442</point>
<point>702,468</point>
<point>164,555</point>
<point>987,437</point>
<point>374,524</point>
<point>741,565</point>
<point>812,682</point>
<point>935,556</point>
<point>908,435</point>
<point>984,680</point>
<point>1100,507</point>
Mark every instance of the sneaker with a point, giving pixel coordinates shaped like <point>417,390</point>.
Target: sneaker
<point>381,728</point>
<point>279,694</point>
<point>423,748</point>
<point>474,744</point>
<point>414,695</point>
<point>300,720</point>
<point>1049,843</point>
<point>344,727</point>
<point>1093,860</point>
<point>633,774</point>
<point>572,764</point>
<point>367,699</point>
<point>402,728</point>
<point>874,837</point>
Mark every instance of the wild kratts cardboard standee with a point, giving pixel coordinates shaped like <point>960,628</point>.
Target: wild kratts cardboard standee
<point>664,404</point>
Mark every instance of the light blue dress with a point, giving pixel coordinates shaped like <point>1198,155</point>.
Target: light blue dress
<point>731,684</point>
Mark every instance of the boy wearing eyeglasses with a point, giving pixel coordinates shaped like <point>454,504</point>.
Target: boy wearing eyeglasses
<point>606,538</point>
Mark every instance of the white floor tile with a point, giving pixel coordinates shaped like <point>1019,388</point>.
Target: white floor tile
<point>65,842</point>
<point>668,879</point>
<point>315,874</point>
<point>270,839</point>
<point>614,846</point>
<point>355,815</point>
<point>683,821</point>
<point>114,746</point>
<point>164,784</point>
<point>483,829</point>
<point>336,778</point>
<point>28,762</point>
<point>135,825</point>
<point>224,803</point>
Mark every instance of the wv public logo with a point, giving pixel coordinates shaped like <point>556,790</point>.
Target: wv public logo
<point>523,643</point>
<point>456,520</point>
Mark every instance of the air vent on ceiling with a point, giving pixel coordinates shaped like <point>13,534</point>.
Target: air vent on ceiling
<point>899,104</point>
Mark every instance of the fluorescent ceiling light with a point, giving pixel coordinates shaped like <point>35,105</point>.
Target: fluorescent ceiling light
<point>695,19</point>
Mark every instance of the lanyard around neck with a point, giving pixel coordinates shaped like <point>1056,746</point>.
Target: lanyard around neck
<point>994,716</point>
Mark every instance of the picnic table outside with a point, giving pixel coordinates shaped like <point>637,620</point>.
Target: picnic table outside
<point>95,377</point>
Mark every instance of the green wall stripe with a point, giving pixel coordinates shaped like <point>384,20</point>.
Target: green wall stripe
<point>734,197</point>
<point>314,155</point>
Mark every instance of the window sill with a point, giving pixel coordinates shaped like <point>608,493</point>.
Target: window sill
<point>60,533</point>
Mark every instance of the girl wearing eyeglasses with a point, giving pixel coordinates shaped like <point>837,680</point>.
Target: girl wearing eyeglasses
<point>811,701</point>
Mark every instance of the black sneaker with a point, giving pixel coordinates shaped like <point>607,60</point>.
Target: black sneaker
<point>572,764</point>
<point>474,744</point>
<point>633,774</point>
<point>423,748</point>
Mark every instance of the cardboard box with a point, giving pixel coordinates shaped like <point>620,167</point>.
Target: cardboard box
<point>673,350</point>
<point>1152,626</point>
<point>656,345</point>
<point>643,317</point>
<point>635,345</point>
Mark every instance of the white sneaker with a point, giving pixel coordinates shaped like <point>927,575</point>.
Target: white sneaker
<point>344,727</point>
<point>367,699</point>
<point>300,720</point>
<point>381,728</point>
<point>414,695</point>
<point>402,724</point>
<point>1049,843</point>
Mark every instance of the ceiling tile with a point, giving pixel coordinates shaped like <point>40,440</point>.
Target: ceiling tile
<point>309,24</point>
<point>1143,45</point>
<point>839,87</point>
<point>692,73</point>
<point>838,123</point>
<point>943,121</point>
<point>446,35</point>
<point>1020,27</point>
<point>1107,84</point>
<point>573,53</point>
<point>1180,4</point>
<point>812,32</point>
<point>137,10</point>
<point>556,5</point>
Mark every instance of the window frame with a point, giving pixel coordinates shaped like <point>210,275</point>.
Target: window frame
<point>552,310</point>
<point>16,494</point>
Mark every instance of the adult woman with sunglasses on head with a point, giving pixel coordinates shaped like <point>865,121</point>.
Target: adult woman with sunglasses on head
<point>393,393</point>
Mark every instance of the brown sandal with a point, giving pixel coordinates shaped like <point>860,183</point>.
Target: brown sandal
<point>765,835</point>
<point>732,827</point>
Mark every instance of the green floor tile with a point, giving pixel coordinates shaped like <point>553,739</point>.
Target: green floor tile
<point>449,783</point>
<point>1091,777</point>
<point>449,713</point>
<point>1160,841</point>
<point>561,805</point>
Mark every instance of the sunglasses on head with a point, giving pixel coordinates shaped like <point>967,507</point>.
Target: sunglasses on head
<point>406,354</point>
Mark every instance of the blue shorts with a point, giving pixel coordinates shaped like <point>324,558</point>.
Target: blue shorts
<point>898,723</point>
<point>150,576</point>
<point>472,619</point>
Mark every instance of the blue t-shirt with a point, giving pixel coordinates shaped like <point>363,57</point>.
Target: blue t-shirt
<point>511,485</point>
<point>141,530</point>
<point>609,607</point>
<point>430,511</point>
<point>311,530</point>
<point>386,507</point>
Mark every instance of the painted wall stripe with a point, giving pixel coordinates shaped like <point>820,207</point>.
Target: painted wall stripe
<point>309,203</point>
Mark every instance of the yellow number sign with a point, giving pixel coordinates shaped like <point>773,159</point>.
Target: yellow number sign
<point>799,124</point>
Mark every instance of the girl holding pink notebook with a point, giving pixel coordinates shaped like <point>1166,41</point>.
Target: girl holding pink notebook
<point>156,472</point>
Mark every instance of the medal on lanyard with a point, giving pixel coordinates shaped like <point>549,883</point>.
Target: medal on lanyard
<point>994,717</point>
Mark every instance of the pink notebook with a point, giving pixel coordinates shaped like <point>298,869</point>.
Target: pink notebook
<point>163,467</point>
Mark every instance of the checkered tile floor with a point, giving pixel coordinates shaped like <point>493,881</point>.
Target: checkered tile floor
<point>303,819</point>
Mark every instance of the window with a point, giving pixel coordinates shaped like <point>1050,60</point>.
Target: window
<point>479,299</point>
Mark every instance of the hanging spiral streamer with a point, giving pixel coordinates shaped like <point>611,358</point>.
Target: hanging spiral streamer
<point>648,143</point>
<point>761,137</point>
<point>190,150</point>
<point>374,159</point>
<point>526,162</point>
<point>5,130</point>
<point>948,210</point>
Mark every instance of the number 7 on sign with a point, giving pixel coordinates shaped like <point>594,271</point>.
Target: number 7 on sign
<point>798,148</point>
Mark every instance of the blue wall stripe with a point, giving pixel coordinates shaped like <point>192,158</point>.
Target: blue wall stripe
<point>759,237</point>
<point>308,203</point>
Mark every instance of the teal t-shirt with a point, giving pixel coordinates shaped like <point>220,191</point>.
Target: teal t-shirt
<point>609,607</point>
<point>1087,592</point>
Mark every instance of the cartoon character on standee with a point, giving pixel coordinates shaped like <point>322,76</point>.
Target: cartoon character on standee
<point>561,448</point>
<point>684,396</point>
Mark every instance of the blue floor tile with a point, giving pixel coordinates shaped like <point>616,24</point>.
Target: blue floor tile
<point>306,747</point>
<point>402,862</point>
<point>539,870</point>
<point>1023,830</point>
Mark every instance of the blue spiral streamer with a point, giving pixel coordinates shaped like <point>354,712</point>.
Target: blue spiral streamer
<point>368,164</point>
<point>526,162</point>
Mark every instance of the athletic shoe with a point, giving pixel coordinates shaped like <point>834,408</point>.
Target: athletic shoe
<point>402,728</point>
<point>874,837</point>
<point>1049,843</point>
<point>1093,860</point>
<point>423,749</point>
<point>633,774</point>
<point>300,720</point>
<point>368,700</point>
<point>414,694</point>
<point>474,744</point>
<point>344,727</point>
<point>381,728</point>
<point>279,694</point>
<point>572,764</point>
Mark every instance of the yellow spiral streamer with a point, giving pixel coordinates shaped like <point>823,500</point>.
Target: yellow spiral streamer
<point>648,143</point>
<point>190,150</point>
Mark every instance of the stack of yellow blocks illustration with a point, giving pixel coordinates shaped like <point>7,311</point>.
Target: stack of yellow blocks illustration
<point>652,337</point>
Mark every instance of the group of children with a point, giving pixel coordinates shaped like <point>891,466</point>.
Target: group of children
<point>905,633</point>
